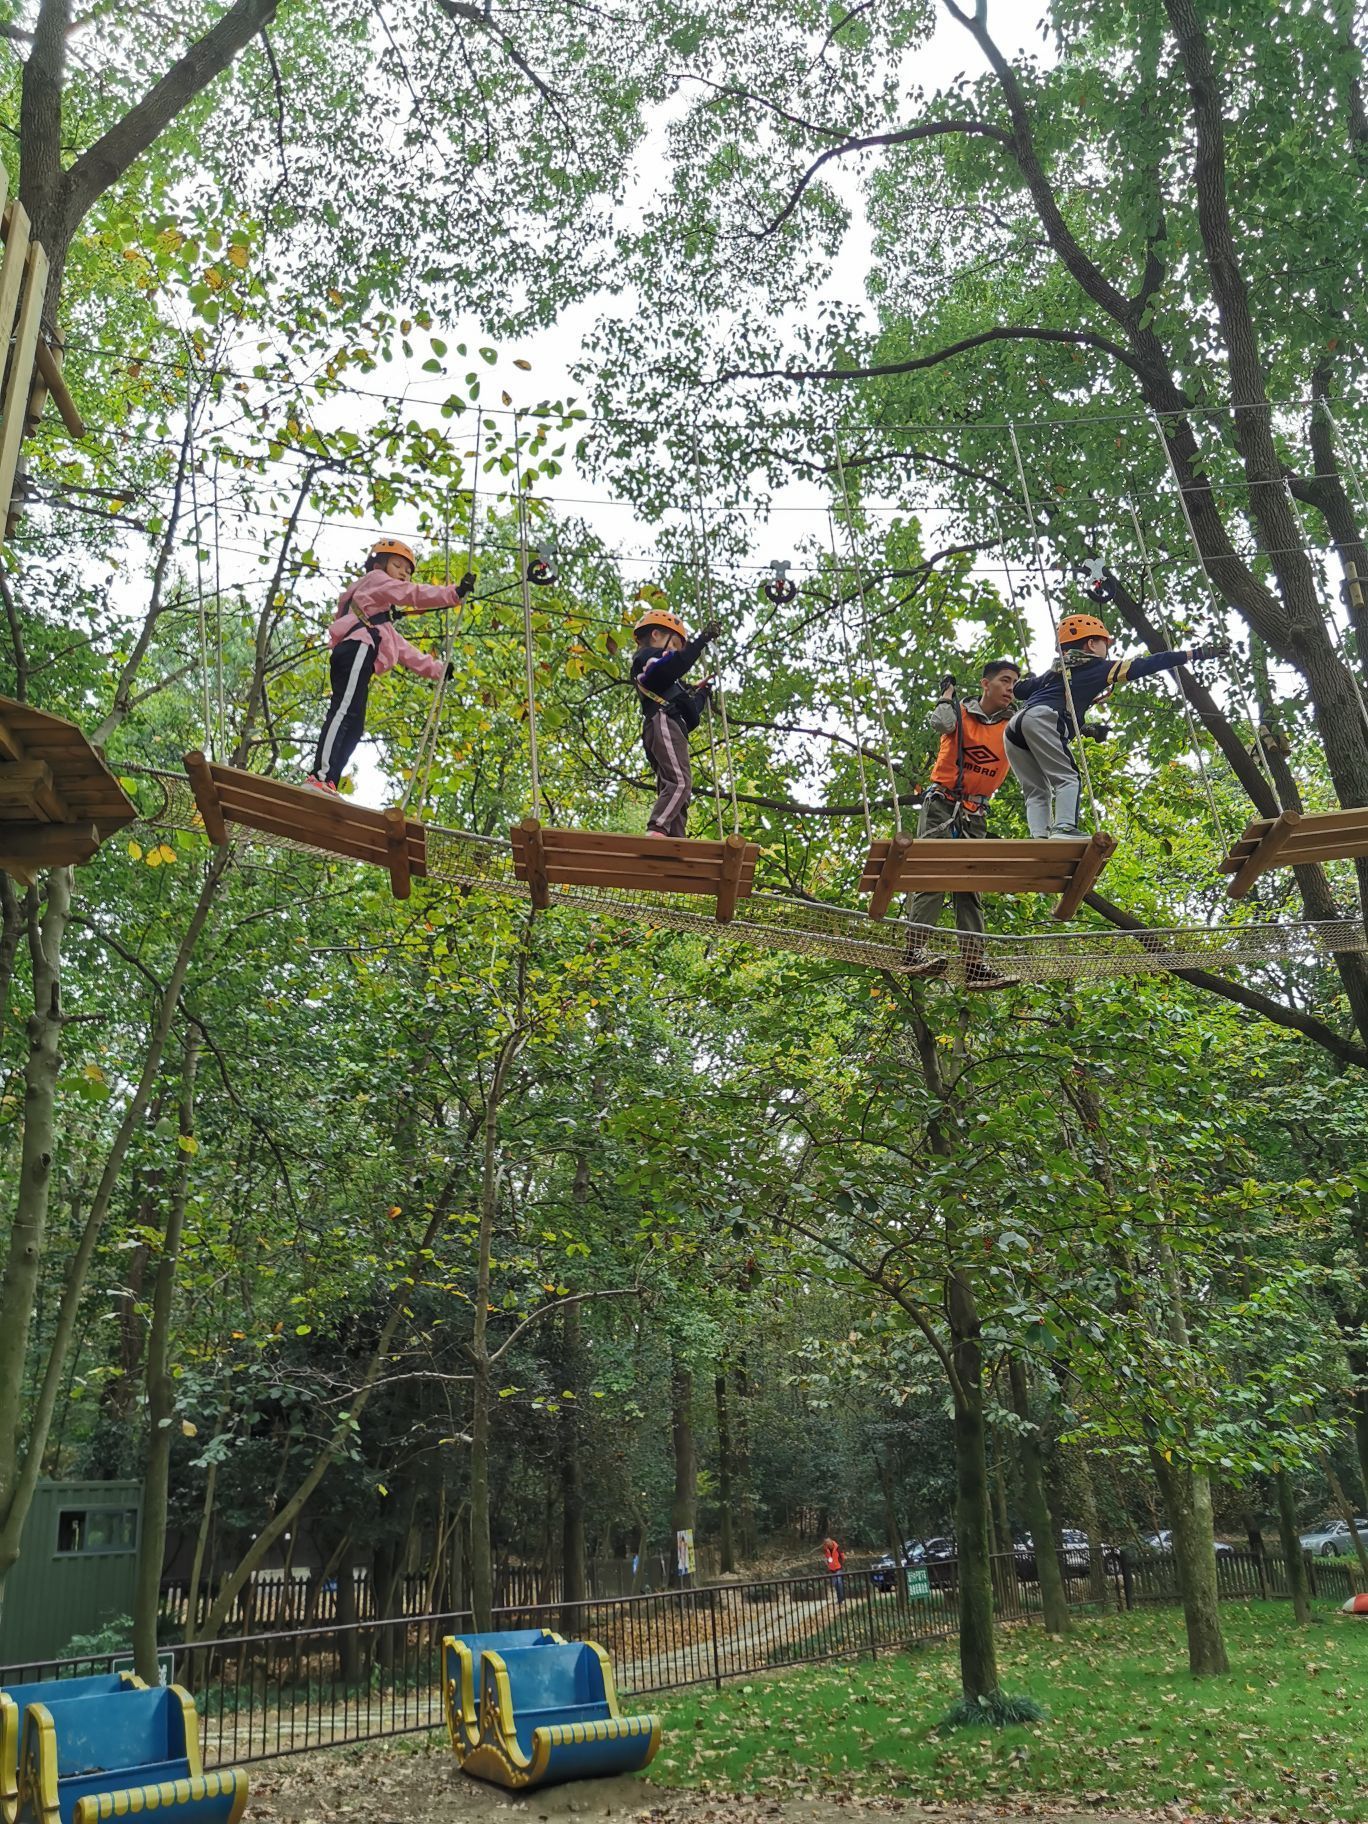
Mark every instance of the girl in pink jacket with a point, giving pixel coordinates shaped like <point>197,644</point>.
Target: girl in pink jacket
<point>366,643</point>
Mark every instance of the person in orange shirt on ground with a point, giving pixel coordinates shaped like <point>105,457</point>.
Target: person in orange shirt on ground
<point>835,1563</point>
<point>969,768</point>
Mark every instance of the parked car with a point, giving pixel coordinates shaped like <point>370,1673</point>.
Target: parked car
<point>883,1573</point>
<point>1163,1542</point>
<point>942,1563</point>
<point>1075,1554</point>
<point>1332,1540</point>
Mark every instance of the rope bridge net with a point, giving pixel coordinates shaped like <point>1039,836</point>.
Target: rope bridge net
<point>816,928</point>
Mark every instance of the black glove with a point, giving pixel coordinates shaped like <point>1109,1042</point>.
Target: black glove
<point>466,586</point>
<point>709,631</point>
<point>1095,731</point>
<point>450,672</point>
<point>1212,649</point>
<point>704,690</point>
<point>948,683</point>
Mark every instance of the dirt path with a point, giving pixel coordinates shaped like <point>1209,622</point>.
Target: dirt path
<point>418,1784</point>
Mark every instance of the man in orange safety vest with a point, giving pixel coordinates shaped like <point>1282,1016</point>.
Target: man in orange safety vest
<point>969,768</point>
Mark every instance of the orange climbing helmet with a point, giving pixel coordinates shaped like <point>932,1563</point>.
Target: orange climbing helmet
<point>394,547</point>
<point>1082,627</point>
<point>658,612</point>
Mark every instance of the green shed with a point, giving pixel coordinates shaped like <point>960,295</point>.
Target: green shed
<point>76,1565</point>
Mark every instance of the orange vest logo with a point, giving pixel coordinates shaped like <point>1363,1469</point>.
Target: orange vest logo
<point>984,757</point>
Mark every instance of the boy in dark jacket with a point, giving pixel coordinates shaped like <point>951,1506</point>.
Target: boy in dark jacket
<point>670,709</point>
<point>1038,736</point>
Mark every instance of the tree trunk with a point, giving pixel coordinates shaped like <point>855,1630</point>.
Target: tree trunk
<point>1187,1505</point>
<point>161,1401</point>
<point>977,1646</point>
<point>574,1571</point>
<point>1289,1534</point>
<point>725,1486</point>
<point>684,1506</point>
<point>750,1543</point>
<point>1054,1602</point>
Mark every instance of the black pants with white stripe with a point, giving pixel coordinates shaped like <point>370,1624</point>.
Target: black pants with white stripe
<point>667,748</point>
<point>352,666</point>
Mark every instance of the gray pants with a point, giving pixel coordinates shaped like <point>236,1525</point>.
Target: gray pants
<point>667,748</point>
<point>938,819</point>
<point>1049,778</point>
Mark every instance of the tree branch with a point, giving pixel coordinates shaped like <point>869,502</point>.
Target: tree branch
<point>1079,338</point>
<point>865,142</point>
<point>1250,998</point>
<point>106,161</point>
<point>558,1304</point>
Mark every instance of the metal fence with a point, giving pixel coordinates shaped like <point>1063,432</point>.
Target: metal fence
<point>281,1692</point>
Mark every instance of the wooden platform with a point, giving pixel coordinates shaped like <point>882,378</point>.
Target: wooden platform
<point>547,858</point>
<point>58,799</point>
<point>966,865</point>
<point>228,796</point>
<point>1291,839</point>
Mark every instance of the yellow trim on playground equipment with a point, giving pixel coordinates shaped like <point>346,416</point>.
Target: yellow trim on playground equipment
<point>99,1807</point>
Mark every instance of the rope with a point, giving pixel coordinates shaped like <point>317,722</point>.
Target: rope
<point>1218,610</point>
<point>717,777</point>
<point>206,709</point>
<point>869,639</point>
<point>850,678</point>
<point>1080,746</point>
<point>709,614</point>
<point>731,764</point>
<point>218,616</point>
<point>426,756</point>
<point>527,624</point>
<point>1167,627</point>
<point>1022,633</point>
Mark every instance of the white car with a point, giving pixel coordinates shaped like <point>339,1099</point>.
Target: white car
<point>1332,1540</point>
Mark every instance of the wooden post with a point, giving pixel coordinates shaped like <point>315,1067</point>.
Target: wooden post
<point>536,863</point>
<point>733,860</point>
<point>14,409</point>
<point>1086,870</point>
<point>207,798</point>
<point>887,885</point>
<point>1266,852</point>
<point>396,847</point>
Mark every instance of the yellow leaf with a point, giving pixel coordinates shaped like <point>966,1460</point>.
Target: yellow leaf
<point>526,366</point>
<point>92,1073</point>
<point>166,852</point>
<point>153,858</point>
<point>213,278</point>
<point>239,257</point>
<point>188,1430</point>
<point>383,1490</point>
<point>187,1143</point>
<point>507,398</point>
<point>135,851</point>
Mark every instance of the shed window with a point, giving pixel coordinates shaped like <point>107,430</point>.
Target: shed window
<point>85,1530</point>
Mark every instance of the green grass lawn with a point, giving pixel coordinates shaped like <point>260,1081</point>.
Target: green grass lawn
<point>1284,1735</point>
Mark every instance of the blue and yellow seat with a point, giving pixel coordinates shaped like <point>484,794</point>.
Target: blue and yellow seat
<point>15,1700</point>
<point>89,1759</point>
<point>549,1713</point>
<point>461,1669</point>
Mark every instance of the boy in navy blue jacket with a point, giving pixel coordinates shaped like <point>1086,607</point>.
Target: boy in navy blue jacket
<point>670,709</point>
<point>1038,736</point>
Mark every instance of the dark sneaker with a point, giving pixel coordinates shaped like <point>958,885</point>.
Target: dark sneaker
<point>983,978</point>
<point>921,962</point>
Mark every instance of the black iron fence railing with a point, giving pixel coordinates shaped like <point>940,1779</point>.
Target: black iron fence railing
<point>281,1691</point>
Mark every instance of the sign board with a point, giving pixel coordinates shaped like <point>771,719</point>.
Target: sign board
<point>166,1665</point>
<point>919,1582</point>
<point>685,1560</point>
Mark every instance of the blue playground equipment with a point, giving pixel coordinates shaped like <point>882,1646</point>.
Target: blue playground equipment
<point>114,1753</point>
<point>463,1663</point>
<point>15,1700</point>
<point>546,1711</point>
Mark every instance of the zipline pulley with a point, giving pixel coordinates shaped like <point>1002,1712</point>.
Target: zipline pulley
<point>541,566</point>
<point>779,588</point>
<point>1099,585</point>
